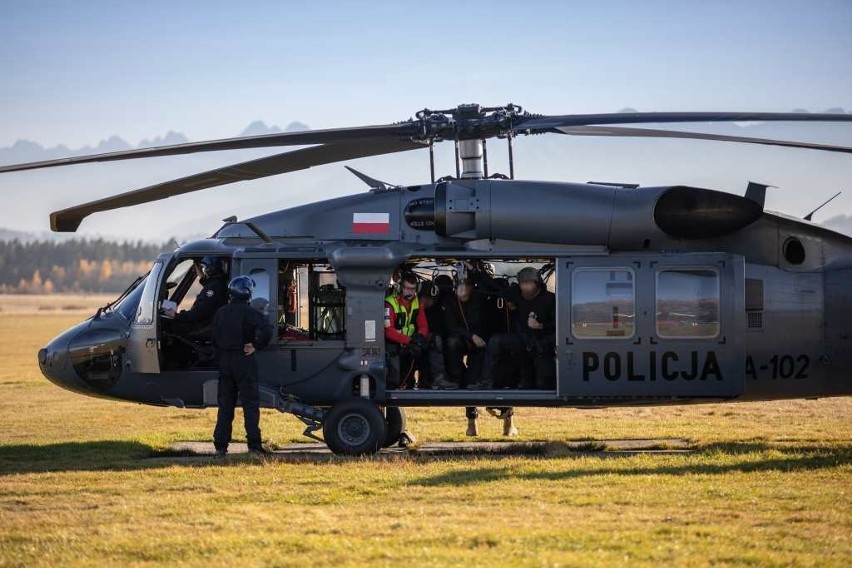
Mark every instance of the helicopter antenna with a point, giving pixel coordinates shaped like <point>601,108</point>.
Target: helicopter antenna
<point>757,192</point>
<point>374,183</point>
<point>826,202</point>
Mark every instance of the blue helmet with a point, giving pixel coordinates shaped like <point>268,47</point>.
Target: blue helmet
<point>239,289</point>
<point>210,266</point>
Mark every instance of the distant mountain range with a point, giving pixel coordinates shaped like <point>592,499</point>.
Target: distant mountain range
<point>28,151</point>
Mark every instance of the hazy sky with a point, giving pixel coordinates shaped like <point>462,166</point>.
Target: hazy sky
<point>77,72</point>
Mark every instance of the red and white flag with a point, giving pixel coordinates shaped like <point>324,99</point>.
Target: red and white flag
<point>370,223</point>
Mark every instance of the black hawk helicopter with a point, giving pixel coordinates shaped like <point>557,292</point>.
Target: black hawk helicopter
<point>664,295</point>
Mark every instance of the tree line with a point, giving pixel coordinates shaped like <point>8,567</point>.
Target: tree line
<point>45,267</point>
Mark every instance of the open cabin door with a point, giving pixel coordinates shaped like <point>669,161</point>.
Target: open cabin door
<point>143,343</point>
<point>650,326</point>
<point>263,271</point>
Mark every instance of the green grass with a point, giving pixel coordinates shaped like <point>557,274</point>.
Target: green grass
<point>768,484</point>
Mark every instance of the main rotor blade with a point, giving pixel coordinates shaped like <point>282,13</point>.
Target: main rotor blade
<point>538,124</point>
<point>301,138</point>
<point>68,220</point>
<point>654,133</point>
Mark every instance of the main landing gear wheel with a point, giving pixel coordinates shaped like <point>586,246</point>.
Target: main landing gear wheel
<point>396,423</point>
<point>354,428</point>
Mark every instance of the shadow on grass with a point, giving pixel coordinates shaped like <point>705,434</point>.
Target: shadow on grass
<point>72,456</point>
<point>711,459</point>
<point>749,456</point>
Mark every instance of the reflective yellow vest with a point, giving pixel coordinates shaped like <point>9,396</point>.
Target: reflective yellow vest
<point>405,322</point>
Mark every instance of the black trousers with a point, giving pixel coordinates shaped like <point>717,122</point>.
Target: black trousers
<point>237,376</point>
<point>431,364</point>
<point>401,365</point>
<point>455,349</point>
<point>537,352</point>
<point>400,368</point>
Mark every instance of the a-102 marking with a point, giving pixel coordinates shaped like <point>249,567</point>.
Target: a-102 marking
<point>779,367</point>
<point>672,366</point>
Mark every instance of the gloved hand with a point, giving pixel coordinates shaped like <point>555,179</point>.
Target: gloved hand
<point>410,350</point>
<point>417,345</point>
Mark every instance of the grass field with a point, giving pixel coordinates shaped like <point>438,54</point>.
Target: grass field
<point>767,484</point>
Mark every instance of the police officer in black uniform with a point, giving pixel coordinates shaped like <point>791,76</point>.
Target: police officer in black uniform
<point>194,323</point>
<point>238,332</point>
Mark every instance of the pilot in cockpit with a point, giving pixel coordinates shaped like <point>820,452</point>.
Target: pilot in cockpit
<point>194,322</point>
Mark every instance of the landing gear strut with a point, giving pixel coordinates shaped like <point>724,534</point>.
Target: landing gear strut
<point>354,427</point>
<point>504,413</point>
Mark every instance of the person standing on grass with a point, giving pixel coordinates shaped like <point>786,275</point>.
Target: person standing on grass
<point>238,332</point>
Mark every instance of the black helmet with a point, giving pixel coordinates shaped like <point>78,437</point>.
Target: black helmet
<point>210,266</point>
<point>444,282</point>
<point>428,289</point>
<point>528,274</point>
<point>239,289</point>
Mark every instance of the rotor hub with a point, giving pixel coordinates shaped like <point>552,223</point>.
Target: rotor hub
<point>468,122</point>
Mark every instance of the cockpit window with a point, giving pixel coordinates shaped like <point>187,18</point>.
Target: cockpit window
<point>179,272</point>
<point>127,306</point>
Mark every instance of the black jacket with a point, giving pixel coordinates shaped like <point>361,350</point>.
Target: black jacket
<point>213,296</point>
<point>465,318</point>
<point>543,305</point>
<point>238,323</point>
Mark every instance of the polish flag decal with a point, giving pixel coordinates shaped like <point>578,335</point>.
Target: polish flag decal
<point>370,223</point>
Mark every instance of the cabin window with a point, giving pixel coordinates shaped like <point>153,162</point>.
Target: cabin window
<point>145,311</point>
<point>688,303</point>
<point>603,303</point>
<point>311,302</point>
<point>260,277</point>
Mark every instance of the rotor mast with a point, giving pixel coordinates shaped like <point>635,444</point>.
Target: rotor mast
<point>469,126</point>
<point>471,155</point>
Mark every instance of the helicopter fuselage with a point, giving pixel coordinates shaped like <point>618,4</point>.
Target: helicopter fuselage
<point>665,295</point>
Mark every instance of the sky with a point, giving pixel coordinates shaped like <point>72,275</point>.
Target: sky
<point>75,73</point>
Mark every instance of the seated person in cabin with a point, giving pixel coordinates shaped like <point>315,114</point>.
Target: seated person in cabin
<point>406,332</point>
<point>466,333</point>
<point>532,333</point>
<point>431,365</point>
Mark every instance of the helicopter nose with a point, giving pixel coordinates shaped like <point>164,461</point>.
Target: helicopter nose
<point>53,363</point>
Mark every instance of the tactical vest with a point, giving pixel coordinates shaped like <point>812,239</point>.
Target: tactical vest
<point>406,323</point>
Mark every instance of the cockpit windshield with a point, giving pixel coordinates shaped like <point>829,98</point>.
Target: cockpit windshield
<point>127,305</point>
<point>128,300</point>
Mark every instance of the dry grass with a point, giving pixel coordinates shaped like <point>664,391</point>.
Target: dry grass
<point>76,304</point>
<point>769,484</point>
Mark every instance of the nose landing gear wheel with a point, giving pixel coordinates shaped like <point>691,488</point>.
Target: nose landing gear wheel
<point>354,428</point>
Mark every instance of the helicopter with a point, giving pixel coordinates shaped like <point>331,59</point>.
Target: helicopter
<point>664,295</point>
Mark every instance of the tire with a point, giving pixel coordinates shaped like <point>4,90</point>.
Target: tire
<point>354,428</point>
<point>396,423</point>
